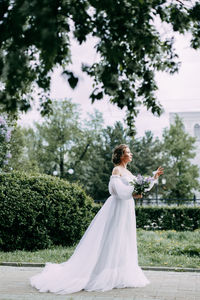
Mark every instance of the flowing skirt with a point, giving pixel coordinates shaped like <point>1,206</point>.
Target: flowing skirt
<point>105,258</point>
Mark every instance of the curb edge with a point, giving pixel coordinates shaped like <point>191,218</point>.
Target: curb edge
<point>146,268</point>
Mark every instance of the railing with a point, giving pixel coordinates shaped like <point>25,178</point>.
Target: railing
<point>162,202</point>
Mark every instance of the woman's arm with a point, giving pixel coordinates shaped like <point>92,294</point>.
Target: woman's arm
<point>158,172</point>
<point>118,188</point>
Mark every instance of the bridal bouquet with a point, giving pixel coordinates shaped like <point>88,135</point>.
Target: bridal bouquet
<point>141,184</point>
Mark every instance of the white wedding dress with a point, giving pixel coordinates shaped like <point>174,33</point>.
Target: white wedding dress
<point>106,256</point>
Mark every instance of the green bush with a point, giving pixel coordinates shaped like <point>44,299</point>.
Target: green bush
<point>165,218</point>
<point>37,211</point>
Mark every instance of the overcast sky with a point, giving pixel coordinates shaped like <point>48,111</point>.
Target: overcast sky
<point>176,93</point>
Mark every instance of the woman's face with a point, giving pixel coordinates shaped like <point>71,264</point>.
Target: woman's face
<point>127,156</point>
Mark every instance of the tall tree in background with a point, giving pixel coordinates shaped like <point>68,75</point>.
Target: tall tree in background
<point>5,136</point>
<point>84,153</point>
<point>31,154</point>
<point>17,146</point>
<point>95,169</point>
<point>178,150</point>
<point>102,166</point>
<point>85,148</point>
<point>35,37</point>
<point>54,138</point>
<point>146,154</point>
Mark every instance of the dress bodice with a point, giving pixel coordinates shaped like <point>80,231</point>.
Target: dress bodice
<point>125,178</point>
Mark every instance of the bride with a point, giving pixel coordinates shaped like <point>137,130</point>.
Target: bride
<point>106,256</point>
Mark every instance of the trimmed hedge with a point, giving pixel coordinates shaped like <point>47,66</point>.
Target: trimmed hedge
<point>37,211</point>
<point>166,218</point>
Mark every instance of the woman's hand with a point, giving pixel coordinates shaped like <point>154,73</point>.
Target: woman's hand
<point>136,196</point>
<point>158,172</point>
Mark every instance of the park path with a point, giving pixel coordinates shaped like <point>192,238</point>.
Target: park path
<point>14,285</point>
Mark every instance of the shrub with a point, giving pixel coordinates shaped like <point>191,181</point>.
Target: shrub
<point>165,218</point>
<point>37,211</point>
<point>168,218</point>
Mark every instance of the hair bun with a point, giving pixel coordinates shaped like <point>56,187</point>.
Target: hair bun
<point>118,153</point>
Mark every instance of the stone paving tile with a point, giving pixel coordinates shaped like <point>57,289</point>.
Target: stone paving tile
<point>14,285</point>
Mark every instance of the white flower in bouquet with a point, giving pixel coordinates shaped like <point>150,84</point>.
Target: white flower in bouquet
<point>141,184</point>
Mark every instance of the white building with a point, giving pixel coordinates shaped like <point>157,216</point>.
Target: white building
<point>191,121</point>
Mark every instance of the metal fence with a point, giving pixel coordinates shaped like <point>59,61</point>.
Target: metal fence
<point>162,202</point>
<point>168,202</point>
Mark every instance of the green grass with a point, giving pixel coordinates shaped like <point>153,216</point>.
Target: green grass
<point>155,248</point>
<point>56,254</point>
<point>169,248</point>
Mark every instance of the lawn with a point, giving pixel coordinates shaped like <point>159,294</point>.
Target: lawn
<point>155,248</point>
<point>169,248</point>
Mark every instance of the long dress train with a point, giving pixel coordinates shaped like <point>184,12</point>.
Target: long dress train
<point>106,256</point>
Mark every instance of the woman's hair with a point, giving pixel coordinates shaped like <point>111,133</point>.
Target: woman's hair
<point>118,153</point>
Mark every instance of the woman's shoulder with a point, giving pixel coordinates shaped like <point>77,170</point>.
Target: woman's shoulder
<point>116,171</point>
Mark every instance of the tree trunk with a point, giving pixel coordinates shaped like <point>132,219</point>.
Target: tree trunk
<point>82,154</point>
<point>61,164</point>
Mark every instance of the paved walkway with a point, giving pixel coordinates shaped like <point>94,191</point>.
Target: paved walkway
<point>14,285</point>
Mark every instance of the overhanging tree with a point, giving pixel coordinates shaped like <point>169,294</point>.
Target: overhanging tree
<point>35,37</point>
